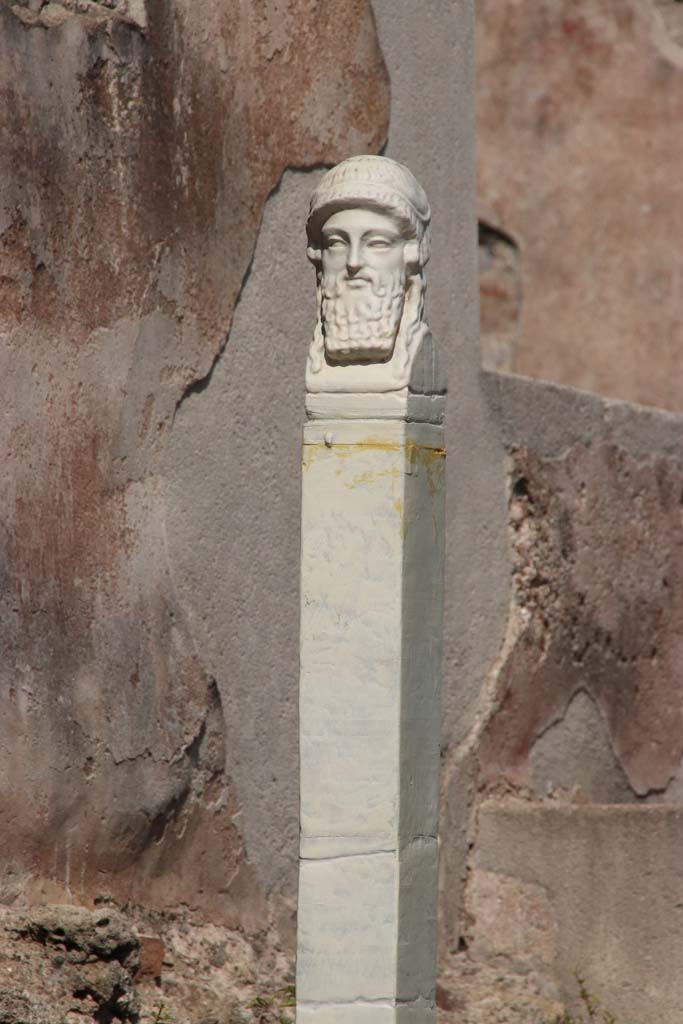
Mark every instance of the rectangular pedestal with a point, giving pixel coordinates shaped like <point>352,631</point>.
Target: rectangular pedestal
<point>372,568</point>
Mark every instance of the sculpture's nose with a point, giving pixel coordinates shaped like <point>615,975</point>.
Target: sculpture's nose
<point>354,260</point>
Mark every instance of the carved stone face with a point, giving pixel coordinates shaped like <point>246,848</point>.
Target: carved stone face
<point>363,284</point>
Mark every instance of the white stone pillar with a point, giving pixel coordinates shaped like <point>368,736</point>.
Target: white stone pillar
<point>371,612</point>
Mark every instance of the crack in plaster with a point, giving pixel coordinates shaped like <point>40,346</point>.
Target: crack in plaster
<point>200,384</point>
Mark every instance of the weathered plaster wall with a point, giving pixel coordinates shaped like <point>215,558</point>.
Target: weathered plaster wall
<point>138,149</point>
<point>232,493</point>
<point>594,639</point>
<point>159,537</point>
<point>579,106</point>
<point>597,536</point>
<point>574,762</point>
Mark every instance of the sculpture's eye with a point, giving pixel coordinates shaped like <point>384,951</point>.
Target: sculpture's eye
<point>379,242</point>
<point>334,242</point>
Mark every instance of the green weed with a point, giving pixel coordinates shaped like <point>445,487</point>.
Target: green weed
<point>160,1015</point>
<point>270,1008</point>
<point>592,1011</point>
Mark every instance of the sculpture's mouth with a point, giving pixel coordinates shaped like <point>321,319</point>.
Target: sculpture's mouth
<point>357,282</point>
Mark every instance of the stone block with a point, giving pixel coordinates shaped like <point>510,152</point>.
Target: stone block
<point>558,888</point>
<point>347,928</point>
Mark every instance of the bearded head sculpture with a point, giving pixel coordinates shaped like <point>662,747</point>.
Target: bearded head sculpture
<point>368,238</point>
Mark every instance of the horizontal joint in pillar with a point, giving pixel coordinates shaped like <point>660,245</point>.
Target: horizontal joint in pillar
<point>363,1011</point>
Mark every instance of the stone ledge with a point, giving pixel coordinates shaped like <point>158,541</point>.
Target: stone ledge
<point>591,888</point>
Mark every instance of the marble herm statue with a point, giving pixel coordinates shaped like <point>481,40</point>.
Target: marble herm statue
<point>369,232</point>
<point>371,608</point>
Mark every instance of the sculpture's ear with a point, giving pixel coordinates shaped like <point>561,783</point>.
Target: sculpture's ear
<point>411,255</point>
<point>314,254</point>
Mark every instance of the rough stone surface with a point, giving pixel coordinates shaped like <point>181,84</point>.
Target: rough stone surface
<point>599,880</point>
<point>510,915</point>
<point>139,145</point>
<point>92,960</point>
<point>574,757</point>
<point>60,965</point>
<point>581,708</point>
<point>67,965</point>
<point>578,112</point>
<point>597,538</point>
<point>472,991</point>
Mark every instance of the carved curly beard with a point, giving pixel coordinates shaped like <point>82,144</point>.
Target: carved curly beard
<point>361,322</point>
